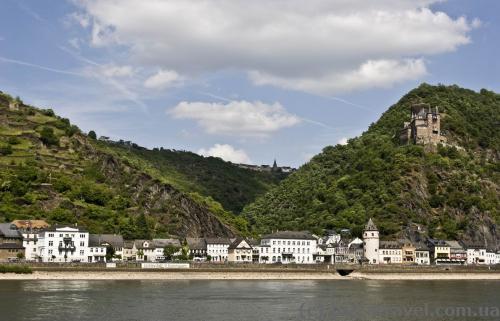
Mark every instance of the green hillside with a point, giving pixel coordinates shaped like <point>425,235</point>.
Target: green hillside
<point>448,192</point>
<point>50,170</point>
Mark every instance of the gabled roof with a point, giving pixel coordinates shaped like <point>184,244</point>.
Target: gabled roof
<point>11,246</point>
<point>160,243</point>
<point>299,235</point>
<point>370,226</point>
<point>9,230</point>
<point>196,243</point>
<point>218,240</point>
<point>238,244</point>
<point>390,245</point>
<point>114,240</point>
<point>139,244</point>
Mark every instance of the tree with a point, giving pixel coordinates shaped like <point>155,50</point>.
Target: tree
<point>5,149</point>
<point>142,227</point>
<point>110,252</point>
<point>169,251</point>
<point>92,134</point>
<point>48,137</point>
<point>20,255</point>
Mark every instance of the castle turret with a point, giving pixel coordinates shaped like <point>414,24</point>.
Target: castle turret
<point>424,127</point>
<point>371,242</point>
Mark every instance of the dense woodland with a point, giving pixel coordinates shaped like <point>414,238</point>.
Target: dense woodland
<point>450,192</point>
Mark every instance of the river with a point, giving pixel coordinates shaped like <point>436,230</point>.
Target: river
<point>249,300</point>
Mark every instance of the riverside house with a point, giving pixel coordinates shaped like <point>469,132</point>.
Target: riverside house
<point>217,249</point>
<point>11,243</point>
<point>197,248</point>
<point>62,243</point>
<point>390,252</point>
<point>288,247</point>
<point>240,251</point>
<point>30,230</point>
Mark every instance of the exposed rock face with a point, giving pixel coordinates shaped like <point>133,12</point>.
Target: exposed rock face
<point>169,205</point>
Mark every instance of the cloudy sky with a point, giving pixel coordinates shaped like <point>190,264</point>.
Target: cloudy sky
<point>248,81</point>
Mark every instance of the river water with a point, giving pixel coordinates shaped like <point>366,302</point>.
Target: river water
<point>249,300</point>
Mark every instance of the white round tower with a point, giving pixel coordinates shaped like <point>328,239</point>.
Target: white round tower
<point>371,242</point>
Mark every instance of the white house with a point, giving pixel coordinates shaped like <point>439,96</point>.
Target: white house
<point>390,252</point>
<point>240,251</point>
<point>497,258</point>
<point>217,249</point>
<point>30,244</point>
<point>481,256</point>
<point>161,244</point>
<point>145,251</point>
<point>371,242</point>
<point>108,241</point>
<point>422,255</point>
<point>288,247</point>
<point>64,244</point>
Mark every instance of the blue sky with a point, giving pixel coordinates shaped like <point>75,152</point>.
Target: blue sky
<point>248,82</point>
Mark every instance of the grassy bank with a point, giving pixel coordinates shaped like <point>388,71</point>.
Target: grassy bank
<point>18,269</point>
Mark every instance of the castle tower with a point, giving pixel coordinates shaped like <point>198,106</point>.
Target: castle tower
<point>424,127</point>
<point>371,242</point>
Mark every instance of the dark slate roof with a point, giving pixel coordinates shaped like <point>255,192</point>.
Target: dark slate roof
<point>9,230</point>
<point>253,242</point>
<point>370,226</point>
<point>115,241</point>
<point>196,243</point>
<point>301,235</point>
<point>166,242</point>
<point>389,245</point>
<point>139,244</point>
<point>455,245</point>
<point>434,242</point>
<point>218,240</point>
<point>237,242</point>
<point>11,246</point>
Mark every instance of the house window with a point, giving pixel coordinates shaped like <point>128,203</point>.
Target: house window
<point>82,243</point>
<point>81,252</point>
<point>51,243</point>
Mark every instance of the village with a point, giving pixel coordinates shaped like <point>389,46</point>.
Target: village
<point>36,241</point>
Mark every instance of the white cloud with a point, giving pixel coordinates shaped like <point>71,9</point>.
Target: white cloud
<point>342,141</point>
<point>373,73</point>
<point>227,153</point>
<point>112,70</point>
<point>241,118</point>
<point>162,79</point>
<point>318,46</point>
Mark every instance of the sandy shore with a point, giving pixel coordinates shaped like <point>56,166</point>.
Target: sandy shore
<point>425,276</point>
<point>195,275</point>
<point>170,275</point>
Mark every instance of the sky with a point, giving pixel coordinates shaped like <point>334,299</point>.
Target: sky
<point>247,81</point>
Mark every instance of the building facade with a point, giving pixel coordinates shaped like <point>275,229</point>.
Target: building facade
<point>288,247</point>
<point>240,251</point>
<point>371,242</point>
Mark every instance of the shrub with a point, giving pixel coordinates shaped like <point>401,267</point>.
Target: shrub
<point>18,269</point>
<point>48,137</point>
<point>5,149</point>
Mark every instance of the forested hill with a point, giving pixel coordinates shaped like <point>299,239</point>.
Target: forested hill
<point>50,170</point>
<point>409,190</point>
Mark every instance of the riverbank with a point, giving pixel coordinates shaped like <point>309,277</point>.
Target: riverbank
<point>240,275</point>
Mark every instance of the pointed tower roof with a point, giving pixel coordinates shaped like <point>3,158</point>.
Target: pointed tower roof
<point>370,226</point>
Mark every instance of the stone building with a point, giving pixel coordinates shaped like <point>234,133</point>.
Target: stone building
<point>11,242</point>
<point>424,127</point>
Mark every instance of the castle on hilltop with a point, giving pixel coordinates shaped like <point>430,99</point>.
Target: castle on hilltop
<point>424,127</point>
